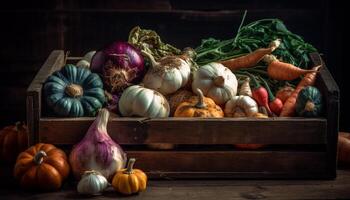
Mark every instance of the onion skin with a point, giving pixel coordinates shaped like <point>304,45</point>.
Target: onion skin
<point>120,64</point>
<point>344,148</point>
<point>97,151</point>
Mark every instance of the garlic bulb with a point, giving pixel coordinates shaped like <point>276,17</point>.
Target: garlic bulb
<point>92,183</point>
<point>241,106</point>
<point>216,82</point>
<point>97,150</point>
<point>143,102</point>
<point>169,74</point>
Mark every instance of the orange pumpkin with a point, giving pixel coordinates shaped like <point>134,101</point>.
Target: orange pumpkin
<point>13,140</point>
<point>42,166</point>
<point>177,98</point>
<point>130,181</point>
<point>199,106</point>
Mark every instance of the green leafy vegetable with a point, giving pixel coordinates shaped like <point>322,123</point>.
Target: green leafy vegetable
<point>256,35</point>
<point>149,41</point>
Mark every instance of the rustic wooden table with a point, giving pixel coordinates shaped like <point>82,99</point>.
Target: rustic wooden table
<point>212,189</point>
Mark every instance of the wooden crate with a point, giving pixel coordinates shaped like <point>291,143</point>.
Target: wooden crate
<point>297,147</point>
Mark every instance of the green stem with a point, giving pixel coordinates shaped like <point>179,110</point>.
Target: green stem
<point>240,26</point>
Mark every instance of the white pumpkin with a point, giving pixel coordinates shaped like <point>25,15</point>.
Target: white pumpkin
<point>216,82</point>
<point>85,62</point>
<point>143,102</point>
<point>239,105</point>
<point>167,75</point>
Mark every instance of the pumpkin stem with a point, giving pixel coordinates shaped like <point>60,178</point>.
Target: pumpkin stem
<point>309,106</point>
<point>219,81</point>
<point>200,103</point>
<point>129,168</point>
<point>39,157</point>
<point>74,90</point>
<point>154,63</point>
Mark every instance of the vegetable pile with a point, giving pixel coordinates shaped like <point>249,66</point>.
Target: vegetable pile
<point>263,71</point>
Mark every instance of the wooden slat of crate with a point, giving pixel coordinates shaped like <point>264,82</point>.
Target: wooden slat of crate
<point>190,130</point>
<point>231,164</point>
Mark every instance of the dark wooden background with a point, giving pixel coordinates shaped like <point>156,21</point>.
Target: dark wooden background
<point>32,29</point>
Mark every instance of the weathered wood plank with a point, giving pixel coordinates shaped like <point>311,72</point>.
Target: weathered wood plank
<point>331,95</point>
<point>231,164</point>
<point>190,130</point>
<point>33,103</point>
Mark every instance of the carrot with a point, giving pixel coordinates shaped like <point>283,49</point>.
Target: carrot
<point>284,92</point>
<point>275,103</point>
<point>309,79</point>
<point>252,58</point>
<point>283,71</point>
<point>245,88</point>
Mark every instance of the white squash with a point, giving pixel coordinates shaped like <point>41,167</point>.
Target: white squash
<point>237,104</point>
<point>167,75</point>
<point>216,82</point>
<point>143,102</point>
<point>85,62</point>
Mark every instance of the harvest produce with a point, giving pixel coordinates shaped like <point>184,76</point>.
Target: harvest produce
<point>251,59</point>
<point>13,140</point>
<point>176,98</point>
<point>130,181</point>
<point>41,167</point>
<point>216,82</point>
<point>199,106</point>
<point>143,102</point>
<point>170,73</point>
<point>97,151</point>
<point>150,42</point>
<point>309,102</point>
<point>284,92</point>
<point>245,89</point>
<point>121,65</point>
<point>275,104</point>
<point>74,92</point>
<point>283,71</point>
<point>241,106</point>
<point>344,148</point>
<point>260,94</point>
<point>85,62</point>
<point>289,106</point>
<point>92,183</point>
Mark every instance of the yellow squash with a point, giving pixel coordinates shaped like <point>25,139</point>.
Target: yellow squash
<point>130,181</point>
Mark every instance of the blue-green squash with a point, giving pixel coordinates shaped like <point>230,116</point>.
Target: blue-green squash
<point>74,92</point>
<point>309,102</point>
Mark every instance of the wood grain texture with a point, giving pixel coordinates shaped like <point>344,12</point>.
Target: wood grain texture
<point>190,130</point>
<point>33,102</point>
<point>231,164</point>
<point>208,189</point>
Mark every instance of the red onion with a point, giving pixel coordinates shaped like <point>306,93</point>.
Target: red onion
<point>97,151</point>
<point>121,65</point>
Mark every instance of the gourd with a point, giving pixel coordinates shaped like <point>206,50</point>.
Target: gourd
<point>42,166</point>
<point>143,102</point>
<point>241,106</point>
<point>168,74</point>
<point>309,102</point>
<point>13,140</point>
<point>74,92</point>
<point>86,60</point>
<point>176,98</point>
<point>130,181</point>
<point>215,81</point>
<point>199,106</point>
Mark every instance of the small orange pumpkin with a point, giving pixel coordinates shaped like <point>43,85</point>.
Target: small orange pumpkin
<point>42,166</point>
<point>13,140</point>
<point>177,98</point>
<point>130,181</point>
<point>199,106</point>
